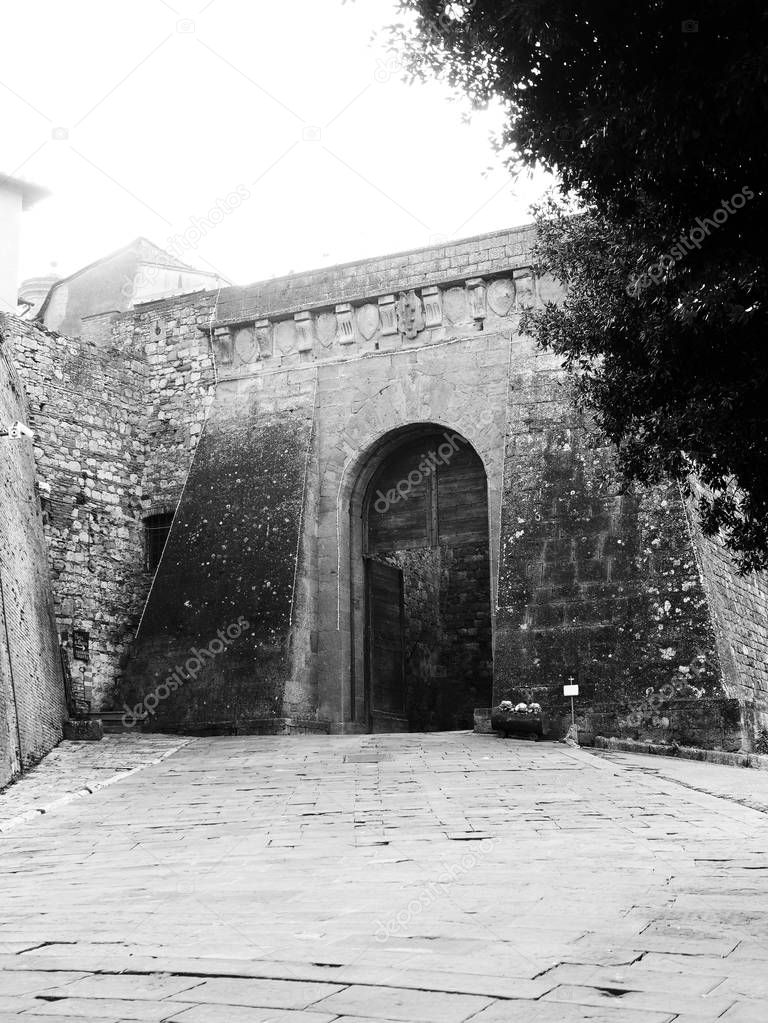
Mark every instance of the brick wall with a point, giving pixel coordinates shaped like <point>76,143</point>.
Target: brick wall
<point>31,688</point>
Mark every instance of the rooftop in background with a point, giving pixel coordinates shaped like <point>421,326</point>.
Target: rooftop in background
<point>138,272</point>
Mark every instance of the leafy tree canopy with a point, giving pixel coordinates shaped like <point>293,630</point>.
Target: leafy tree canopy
<point>653,116</point>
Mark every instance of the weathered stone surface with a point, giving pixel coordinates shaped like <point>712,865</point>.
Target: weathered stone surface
<point>32,701</point>
<point>217,625</point>
<point>83,731</point>
<point>315,375</point>
<point>467,866</point>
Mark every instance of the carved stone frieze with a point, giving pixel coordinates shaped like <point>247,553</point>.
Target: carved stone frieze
<point>524,286</point>
<point>326,327</point>
<point>433,307</point>
<point>346,323</point>
<point>367,320</point>
<point>385,321</point>
<point>476,291</point>
<point>388,315</point>
<point>304,331</point>
<point>455,305</point>
<point>246,346</point>
<point>223,343</point>
<point>548,289</point>
<point>501,296</point>
<point>285,337</point>
<point>410,315</point>
<point>264,338</point>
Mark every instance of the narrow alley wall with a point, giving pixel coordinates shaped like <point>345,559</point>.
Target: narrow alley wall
<point>32,703</point>
<point>86,406</point>
<point>117,417</point>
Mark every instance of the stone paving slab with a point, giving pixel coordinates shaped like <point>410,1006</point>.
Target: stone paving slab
<point>77,769</point>
<point>461,877</point>
<point>738,784</point>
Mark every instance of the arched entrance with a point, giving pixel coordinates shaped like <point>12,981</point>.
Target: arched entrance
<point>425,583</point>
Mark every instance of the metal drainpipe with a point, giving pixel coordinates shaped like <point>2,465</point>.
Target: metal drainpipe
<point>10,672</point>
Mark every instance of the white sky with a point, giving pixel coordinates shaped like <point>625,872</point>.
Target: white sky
<point>170,105</point>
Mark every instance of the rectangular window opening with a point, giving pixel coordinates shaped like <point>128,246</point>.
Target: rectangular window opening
<point>156,530</point>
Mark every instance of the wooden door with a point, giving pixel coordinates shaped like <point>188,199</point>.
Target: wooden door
<point>385,647</point>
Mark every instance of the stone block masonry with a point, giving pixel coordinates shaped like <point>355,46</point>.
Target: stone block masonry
<point>228,565</point>
<point>738,608</point>
<point>265,411</point>
<point>87,411</point>
<point>315,372</point>
<point>115,427</point>
<point>597,586</point>
<point>32,703</point>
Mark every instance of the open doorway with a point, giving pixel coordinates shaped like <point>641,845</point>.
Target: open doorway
<point>426,579</point>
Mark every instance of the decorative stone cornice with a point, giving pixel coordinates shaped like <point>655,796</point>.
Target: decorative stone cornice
<point>382,323</point>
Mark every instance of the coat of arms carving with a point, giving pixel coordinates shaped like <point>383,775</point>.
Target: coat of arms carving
<point>410,314</point>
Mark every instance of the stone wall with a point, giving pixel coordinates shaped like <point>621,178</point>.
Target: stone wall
<point>32,704</point>
<point>597,585</point>
<point>298,386</point>
<point>178,377</point>
<point>381,278</point>
<point>117,421</point>
<point>229,561</point>
<point>738,606</point>
<point>86,406</point>
<point>586,582</point>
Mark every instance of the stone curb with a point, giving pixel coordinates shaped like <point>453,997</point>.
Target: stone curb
<point>756,761</point>
<point>70,797</point>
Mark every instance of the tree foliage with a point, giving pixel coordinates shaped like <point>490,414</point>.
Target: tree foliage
<point>652,115</point>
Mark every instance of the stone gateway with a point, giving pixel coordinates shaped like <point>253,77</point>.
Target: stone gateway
<point>360,499</point>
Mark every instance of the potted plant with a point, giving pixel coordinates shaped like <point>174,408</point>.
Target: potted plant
<point>521,719</point>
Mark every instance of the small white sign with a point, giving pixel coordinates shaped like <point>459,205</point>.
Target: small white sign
<point>570,690</point>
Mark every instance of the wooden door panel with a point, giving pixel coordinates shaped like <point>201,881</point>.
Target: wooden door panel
<point>386,646</point>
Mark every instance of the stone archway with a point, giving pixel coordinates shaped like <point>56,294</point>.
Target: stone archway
<point>421,631</point>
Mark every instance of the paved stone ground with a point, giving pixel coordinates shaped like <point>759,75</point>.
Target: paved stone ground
<point>76,769</point>
<point>438,878</point>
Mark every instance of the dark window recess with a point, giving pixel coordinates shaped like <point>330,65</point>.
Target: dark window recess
<point>156,530</point>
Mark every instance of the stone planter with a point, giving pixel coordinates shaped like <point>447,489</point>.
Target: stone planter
<point>517,723</point>
<point>585,735</point>
<point>483,720</point>
<point>83,730</point>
